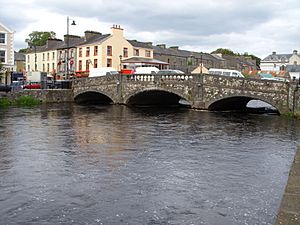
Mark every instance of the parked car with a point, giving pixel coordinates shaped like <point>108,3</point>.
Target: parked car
<point>169,72</point>
<point>32,86</point>
<point>5,88</point>
<point>225,72</point>
<point>146,70</point>
<point>103,71</point>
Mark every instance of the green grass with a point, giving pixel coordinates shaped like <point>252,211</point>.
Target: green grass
<point>5,102</point>
<point>26,101</point>
<point>21,101</point>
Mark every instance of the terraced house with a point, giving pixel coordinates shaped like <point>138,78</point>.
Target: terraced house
<point>76,55</point>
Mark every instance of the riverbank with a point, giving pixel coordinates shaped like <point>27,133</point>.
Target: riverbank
<point>289,212</point>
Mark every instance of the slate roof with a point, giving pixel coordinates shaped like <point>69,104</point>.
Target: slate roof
<point>143,60</point>
<point>19,56</point>
<point>95,39</point>
<point>139,44</point>
<point>182,53</point>
<point>293,68</point>
<point>277,57</point>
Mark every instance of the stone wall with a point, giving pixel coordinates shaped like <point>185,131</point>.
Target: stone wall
<point>45,96</point>
<point>289,212</point>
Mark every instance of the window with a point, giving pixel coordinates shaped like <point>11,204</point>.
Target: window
<point>80,65</point>
<point>2,56</point>
<point>109,63</point>
<point>148,53</point>
<point>87,65</point>
<point>48,67</point>
<point>43,56</point>
<point>125,52</point>
<point>136,52</point>
<point>87,51</point>
<point>80,52</point>
<point>95,50</point>
<point>2,38</point>
<point>95,63</point>
<point>48,56</point>
<point>53,55</point>
<point>43,67</point>
<point>109,50</point>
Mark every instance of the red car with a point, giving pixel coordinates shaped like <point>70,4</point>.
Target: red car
<point>32,86</point>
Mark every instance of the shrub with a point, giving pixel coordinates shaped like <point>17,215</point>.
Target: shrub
<point>5,102</point>
<point>26,101</point>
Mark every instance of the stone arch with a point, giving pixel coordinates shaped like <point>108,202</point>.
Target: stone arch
<point>93,95</point>
<point>174,93</point>
<point>238,102</point>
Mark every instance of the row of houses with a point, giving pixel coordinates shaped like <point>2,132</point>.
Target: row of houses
<point>75,55</point>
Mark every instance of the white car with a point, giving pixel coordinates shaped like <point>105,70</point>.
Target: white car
<point>145,70</point>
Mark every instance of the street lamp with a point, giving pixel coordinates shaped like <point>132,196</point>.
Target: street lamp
<point>68,43</point>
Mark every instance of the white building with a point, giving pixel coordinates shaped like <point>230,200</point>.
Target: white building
<point>279,62</point>
<point>6,47</point>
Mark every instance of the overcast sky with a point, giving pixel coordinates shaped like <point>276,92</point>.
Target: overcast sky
<point>257,27</point>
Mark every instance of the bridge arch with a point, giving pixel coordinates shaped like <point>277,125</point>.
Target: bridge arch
<point>92,97</point>
<point>237,103</point>
<point>155,96</point>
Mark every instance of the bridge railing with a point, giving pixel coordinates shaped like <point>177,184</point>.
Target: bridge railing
<point>155,77</point>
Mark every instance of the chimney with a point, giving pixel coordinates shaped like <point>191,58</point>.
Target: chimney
<point>71,38</point>
<point>89,34</point>
<point>161,46</point>
<point>295,52</point>
<point>273,53</point>
<point>116,30</point>
<point>149,44</point>
<point>174,48</point>
<point>53,42</point>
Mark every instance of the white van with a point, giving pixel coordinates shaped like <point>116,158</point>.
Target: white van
<point>225,72</point>
<point>145,70</point>
<point>102,71</point>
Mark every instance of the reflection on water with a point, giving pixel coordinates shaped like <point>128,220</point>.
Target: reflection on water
<point>118,165</point>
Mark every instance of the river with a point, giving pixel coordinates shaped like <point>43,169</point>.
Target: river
<point>70,164</point>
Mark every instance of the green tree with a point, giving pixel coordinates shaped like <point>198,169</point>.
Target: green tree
<point>224,51</point>
<point>39,38</point>
<point>23,50</point>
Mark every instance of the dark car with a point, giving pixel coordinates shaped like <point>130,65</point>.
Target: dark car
<point>5,88</point>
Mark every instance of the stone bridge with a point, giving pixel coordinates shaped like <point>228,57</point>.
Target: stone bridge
<point>202,91</point>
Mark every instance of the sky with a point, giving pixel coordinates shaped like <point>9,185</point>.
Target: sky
<point>257,27</point>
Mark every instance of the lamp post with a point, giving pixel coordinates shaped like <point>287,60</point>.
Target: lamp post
<point>201,63</point>
<point>120,56</point>
<point>68,44</point>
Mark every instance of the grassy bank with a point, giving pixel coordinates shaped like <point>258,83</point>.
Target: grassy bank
<point>21,101</point>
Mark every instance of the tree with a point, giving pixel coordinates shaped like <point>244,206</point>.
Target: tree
<point>23,50</point>
<point>224,51</point>
<point>39,38</point>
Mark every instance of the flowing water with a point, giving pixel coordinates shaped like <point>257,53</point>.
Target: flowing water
<point>70,164</point>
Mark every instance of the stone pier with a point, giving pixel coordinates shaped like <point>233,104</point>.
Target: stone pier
<point>289,211</point>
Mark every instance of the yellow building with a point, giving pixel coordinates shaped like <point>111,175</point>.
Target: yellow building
<point>108,51</point>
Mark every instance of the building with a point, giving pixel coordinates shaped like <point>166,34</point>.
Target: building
<point>184,60</point>
<point>43,58</point>
<point>76,55</point>
<point>6,47</point>
<point>279,62</point>
<point>20,60</point>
